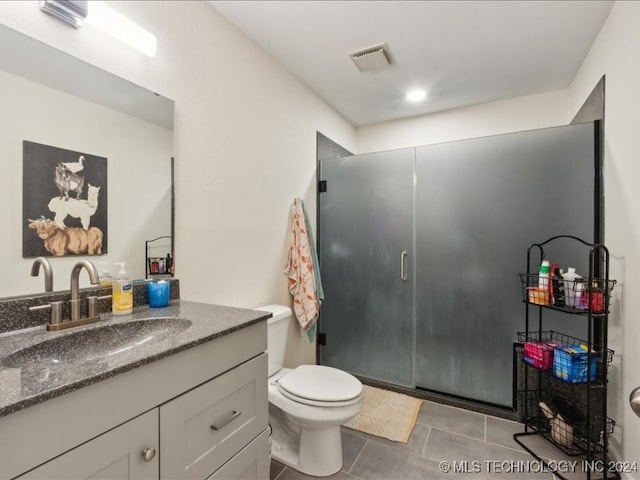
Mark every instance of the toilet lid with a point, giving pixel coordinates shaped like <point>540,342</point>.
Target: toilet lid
<point>321,384</point>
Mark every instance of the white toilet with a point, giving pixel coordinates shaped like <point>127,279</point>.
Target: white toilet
<point>307,405</point>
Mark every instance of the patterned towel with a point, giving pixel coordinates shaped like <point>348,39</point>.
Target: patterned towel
<point>301,269</point>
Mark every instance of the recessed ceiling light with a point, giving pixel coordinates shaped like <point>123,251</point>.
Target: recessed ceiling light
<point>416,95</point>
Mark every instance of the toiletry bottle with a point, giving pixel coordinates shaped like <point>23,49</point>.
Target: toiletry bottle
<point>543,275</point>
<point>122,292</point>
<point>572,288</point>
<point>168,263</point>
<point>106,280</point>
<point>582,296</point>
<point>595,298</point>
<point>558,286</point>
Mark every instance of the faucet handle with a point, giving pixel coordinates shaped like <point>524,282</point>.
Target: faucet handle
<point>92,304</point>
<point>56,311</point>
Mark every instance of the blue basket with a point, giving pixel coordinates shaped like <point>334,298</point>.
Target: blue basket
<point>570,364</point>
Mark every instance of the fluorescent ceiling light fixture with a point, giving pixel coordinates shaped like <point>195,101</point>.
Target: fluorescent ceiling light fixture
<point>118,26</point>
<point>416,95</point>
<point>70,11</point>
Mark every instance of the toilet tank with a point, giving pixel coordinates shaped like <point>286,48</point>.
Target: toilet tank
<point>277,327</point>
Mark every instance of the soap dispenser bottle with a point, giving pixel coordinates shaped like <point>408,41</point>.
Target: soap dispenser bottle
<point>106,280</point>
<point>122,293</point>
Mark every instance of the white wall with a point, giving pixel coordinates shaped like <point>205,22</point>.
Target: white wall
<point>245,142</point>
<point>247,148</point>
<point>513,115</point>
<point>615,54</point>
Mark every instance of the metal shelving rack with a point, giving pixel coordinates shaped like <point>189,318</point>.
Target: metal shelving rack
<point>164,245</point>
<point>585,433</point>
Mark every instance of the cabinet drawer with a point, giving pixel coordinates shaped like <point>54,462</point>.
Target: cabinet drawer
<point>202,429</point>
<point>251,463</point>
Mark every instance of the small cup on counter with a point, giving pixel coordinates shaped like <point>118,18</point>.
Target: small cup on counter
<point>158,293</point>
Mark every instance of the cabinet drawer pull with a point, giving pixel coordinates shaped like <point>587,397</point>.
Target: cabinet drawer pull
<point>217,426</point>
<point>148,454</point>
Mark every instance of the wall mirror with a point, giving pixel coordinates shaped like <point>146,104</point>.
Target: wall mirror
<point>55,99</point>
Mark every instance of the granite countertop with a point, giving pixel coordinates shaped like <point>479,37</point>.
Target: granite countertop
<point>177,327</point>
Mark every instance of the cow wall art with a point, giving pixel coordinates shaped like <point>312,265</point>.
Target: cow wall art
<point>64,202</point>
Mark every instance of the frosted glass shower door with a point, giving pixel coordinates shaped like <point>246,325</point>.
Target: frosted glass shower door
<point>366,264</point>
<point>479,204</point>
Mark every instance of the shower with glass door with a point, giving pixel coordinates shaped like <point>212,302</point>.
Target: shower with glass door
<point>420,250</point>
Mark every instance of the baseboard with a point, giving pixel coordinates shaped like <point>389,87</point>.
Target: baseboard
<point>615,456</point>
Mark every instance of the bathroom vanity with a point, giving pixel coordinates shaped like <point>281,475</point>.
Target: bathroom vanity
<point>191,403</point>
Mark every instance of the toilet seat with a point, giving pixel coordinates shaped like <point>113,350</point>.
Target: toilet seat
<point>319,385</point>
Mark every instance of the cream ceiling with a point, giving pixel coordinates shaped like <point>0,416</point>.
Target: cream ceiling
<point>461,52</point>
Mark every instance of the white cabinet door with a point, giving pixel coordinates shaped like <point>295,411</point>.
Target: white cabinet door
<point>114,455</point>
<point>251,463</point>
<point>202,429</point>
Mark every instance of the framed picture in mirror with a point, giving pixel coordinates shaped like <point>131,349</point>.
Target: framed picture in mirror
<point>64,202</point>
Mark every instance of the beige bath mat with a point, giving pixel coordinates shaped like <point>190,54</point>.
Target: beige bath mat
<point>386,414</point>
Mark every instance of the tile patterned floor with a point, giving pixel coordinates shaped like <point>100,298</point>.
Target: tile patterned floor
<point>474,445</point>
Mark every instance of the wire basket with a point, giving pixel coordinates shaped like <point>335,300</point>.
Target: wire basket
<point>563,422</point>
<point>574,296</point>
<point>567,357</point>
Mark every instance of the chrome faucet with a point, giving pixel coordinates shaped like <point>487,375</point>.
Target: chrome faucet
<point>75,277</point>
<point>75,320</point>
<point>48,272</point>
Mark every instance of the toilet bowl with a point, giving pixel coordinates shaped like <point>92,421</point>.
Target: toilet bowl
<point>307,405</point>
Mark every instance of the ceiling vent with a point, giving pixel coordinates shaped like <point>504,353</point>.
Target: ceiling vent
<point>372,58</point>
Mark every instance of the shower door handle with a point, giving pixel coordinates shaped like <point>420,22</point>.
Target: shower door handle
<point>403,262</point>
